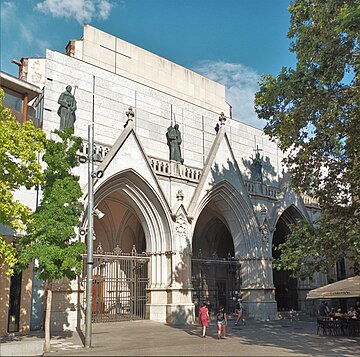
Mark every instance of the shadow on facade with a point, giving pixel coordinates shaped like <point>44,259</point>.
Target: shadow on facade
<point>268,171</point>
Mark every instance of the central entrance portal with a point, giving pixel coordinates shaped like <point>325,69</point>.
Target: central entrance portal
<point>215,271</point>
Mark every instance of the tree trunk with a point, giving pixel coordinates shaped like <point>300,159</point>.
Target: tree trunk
<point>47,346</point>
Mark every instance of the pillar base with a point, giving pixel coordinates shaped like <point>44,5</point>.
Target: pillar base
<point>260,304</point>
<point>172,306</point>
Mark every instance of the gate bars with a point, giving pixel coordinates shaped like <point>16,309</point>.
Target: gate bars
<point>119,285</point>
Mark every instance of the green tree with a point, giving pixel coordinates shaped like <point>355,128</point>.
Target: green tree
<point>20,145</point>
<point>51,238</point>
<point>312,112</point>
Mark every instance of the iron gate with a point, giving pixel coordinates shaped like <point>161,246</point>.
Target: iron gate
<point>119,285</point>
<point>216,281</point>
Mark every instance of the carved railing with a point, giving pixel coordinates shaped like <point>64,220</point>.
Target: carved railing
<point>257,188</point>
<point>309,201</point>
<point>173,168</point>
<point>99,149</point>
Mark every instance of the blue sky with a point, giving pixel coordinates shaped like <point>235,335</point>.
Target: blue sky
<point>230,41</point>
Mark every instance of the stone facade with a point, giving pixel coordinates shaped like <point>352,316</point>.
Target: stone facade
<point>162,206</point>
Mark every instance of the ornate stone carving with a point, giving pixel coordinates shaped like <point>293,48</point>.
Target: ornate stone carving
<point>265,233</point>
<point>180,227</point>
<point>180,195</point>
<point>222,118</point>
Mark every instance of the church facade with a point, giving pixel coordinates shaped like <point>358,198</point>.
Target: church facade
<point>193,200</point>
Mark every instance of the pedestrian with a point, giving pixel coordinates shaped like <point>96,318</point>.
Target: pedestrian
<point>221,321</point>
<point>239,310</point>
<point>323,310</point>
<point>204,318</point>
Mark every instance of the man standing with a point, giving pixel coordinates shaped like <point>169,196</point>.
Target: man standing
<point>67,109</point>
<point>323,310</point>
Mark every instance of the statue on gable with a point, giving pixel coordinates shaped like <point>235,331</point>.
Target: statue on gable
<point>174,140</point>
<point>257,166</point>
<point>67,109</point>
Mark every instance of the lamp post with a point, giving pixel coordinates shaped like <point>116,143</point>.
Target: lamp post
<point>90,234</point>
<point>90,230</point>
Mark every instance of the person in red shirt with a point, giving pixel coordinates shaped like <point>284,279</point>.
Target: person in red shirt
<point>204,318</point>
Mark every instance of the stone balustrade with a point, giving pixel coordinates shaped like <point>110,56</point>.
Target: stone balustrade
<point>99,149</point>
<point>309,201</point>
<point>175,169</point>
<point>257,188</point>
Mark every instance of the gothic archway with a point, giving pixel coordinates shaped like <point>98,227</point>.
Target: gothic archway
<point>286,287</point>
<point>215,271</point>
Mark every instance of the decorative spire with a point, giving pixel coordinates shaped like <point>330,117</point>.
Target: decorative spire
<point>130,113</point>
<point>222,118</point>
<point>180,195</point>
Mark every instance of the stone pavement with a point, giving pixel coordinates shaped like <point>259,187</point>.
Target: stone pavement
<point>148,338</point>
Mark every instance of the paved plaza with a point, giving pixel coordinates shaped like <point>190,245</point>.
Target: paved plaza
<point>148,338</point>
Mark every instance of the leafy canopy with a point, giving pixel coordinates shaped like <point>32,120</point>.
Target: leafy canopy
<point>51,238</point>
<point>312,112</point>
<point>20,145</point>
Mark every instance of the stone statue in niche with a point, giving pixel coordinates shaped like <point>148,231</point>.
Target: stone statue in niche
<point>67,108</point>
<point>174,140</point>
<point>257,167</point>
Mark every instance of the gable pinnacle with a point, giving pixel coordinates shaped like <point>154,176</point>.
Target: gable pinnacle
<point>222,118</point>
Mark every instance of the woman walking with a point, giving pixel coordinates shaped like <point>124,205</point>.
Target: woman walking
<point>204,318</point>
<point>221,322</point>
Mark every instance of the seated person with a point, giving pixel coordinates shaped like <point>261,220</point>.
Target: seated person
<point>338,315</point>
<point>351,314</point>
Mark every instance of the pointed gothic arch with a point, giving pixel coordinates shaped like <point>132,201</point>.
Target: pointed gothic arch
<point>286,287</point>
<point>143,202</point>
<point>236,213</point>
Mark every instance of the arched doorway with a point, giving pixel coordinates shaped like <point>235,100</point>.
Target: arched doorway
<point>120,271</point>
<point>286,287</point>
<point>133,226</point>
<point>215,271</point>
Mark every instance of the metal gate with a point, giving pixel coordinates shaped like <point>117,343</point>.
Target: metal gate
<point>216,281</point>
<point>119,285</point>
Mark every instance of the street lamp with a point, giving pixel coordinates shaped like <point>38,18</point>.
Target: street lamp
<point>90,230</point>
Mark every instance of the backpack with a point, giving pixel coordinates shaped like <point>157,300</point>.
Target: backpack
<point>237,306</point>
<point>220,316</point>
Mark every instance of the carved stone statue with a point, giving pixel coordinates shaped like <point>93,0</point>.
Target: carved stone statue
<point>257,164</point>
<point>67,109</point>
<point>174,140</point>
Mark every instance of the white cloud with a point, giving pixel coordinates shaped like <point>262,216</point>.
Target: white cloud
<point>8,9</point>
<point>241,84</point>
<point>80,10</point>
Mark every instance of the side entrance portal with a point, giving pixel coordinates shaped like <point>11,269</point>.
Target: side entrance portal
<point>119,286</point>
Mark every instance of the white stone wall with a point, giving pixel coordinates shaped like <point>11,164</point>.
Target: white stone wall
<point>114,94</point>
<point>123,58</point>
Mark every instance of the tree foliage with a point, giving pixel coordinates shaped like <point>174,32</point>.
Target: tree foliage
<point>20,145</point>
<point>51,238</point>
<point>312,112</point>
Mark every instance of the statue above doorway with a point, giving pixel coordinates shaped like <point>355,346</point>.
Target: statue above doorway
<point>174,140</point>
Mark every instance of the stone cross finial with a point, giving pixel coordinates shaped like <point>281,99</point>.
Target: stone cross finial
<point>222,118</point>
